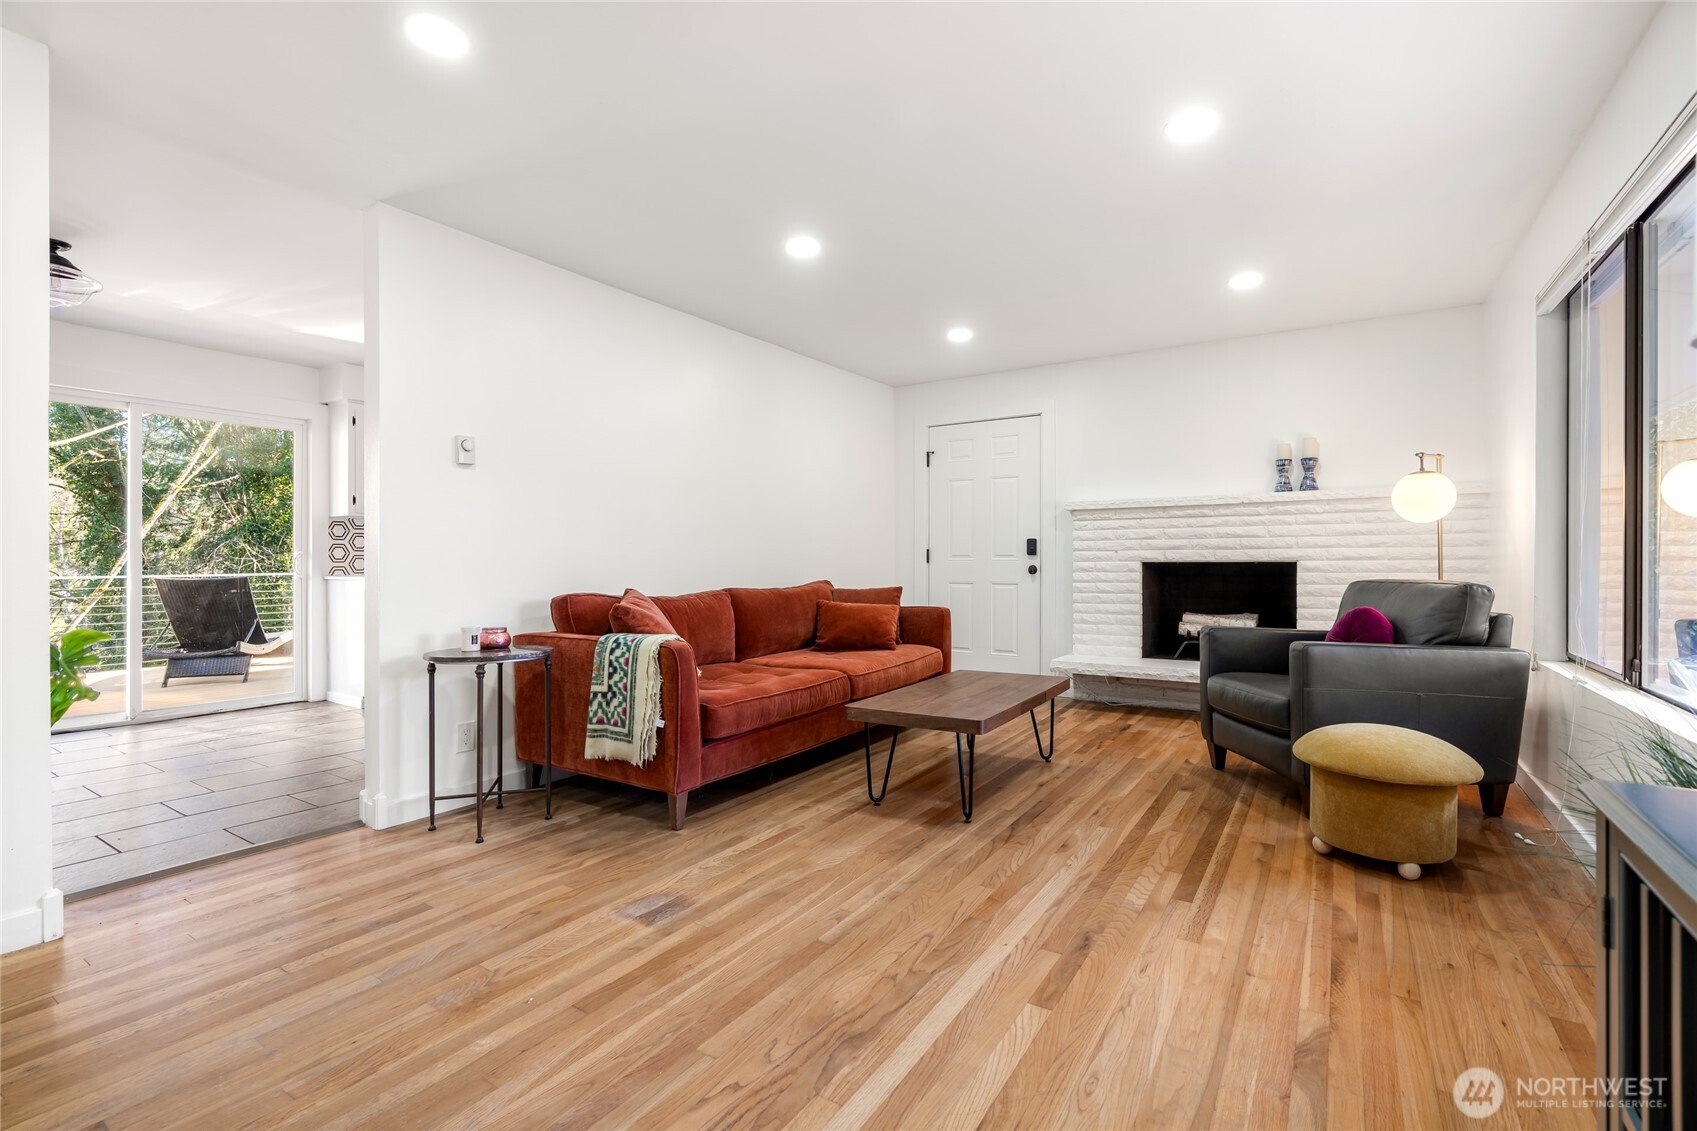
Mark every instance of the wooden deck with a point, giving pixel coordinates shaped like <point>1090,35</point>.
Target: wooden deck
<point>269,676</point>
<point>1124,938</point>
<point>137,800</point>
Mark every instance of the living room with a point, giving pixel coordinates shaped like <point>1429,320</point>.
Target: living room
<point>1011,307</point>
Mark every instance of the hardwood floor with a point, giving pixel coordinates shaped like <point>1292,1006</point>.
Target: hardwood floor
<point>136,800</point>
<point>1122,938</point>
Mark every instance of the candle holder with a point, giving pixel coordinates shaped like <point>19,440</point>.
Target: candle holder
<point>1310,464</point>
<point>1281,467</point>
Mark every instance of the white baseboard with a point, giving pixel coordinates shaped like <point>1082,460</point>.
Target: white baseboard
<point>34,925</point>
<point>382,812</point>
<point>343,699</point>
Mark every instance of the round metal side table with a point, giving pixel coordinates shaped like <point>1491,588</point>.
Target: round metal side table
<point>498,658</point>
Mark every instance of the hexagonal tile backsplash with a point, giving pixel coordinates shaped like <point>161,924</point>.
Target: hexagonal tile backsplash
<point>347,546</point>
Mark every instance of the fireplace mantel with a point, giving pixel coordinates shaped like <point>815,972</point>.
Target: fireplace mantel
<point>1322,499</point>
<point>1334,536</point>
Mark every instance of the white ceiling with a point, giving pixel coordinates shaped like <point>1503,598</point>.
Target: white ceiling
<point>1000,166</point>
<point>195,250</point>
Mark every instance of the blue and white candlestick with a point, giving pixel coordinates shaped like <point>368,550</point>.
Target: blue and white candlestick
<point>1281,468</point>
<point>1310,464</point>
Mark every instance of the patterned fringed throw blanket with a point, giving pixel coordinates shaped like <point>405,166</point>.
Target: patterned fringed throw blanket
<point>624,698</point>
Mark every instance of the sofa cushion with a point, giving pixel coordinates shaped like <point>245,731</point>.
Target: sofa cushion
<point>776,620</point>
<point>583,613</point>
<point>847,627</point>
<point>706,621</point>
<point>636,612</point>
<point>869,673</point>
<point>1252,697</point>
<point>888,595</point>
<point>1427,612</point>
<point>737,698</point>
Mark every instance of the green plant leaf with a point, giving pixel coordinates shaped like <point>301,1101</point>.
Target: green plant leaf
<point>66,658</point>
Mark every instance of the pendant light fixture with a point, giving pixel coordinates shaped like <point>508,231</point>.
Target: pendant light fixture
<point>66,284</point>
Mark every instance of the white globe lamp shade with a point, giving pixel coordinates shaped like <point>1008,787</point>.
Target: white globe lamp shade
<point>1423,496</point>
<point>1679,487</point>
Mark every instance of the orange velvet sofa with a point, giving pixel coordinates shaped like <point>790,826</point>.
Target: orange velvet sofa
<point>743,687</point>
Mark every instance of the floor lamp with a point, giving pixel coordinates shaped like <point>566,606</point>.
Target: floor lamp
<point>1426,496</point>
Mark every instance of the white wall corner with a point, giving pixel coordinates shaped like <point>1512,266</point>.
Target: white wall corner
<point>52,915</point>
<point>373,809</point>
<point>26,841</point>
<point>31,926</point>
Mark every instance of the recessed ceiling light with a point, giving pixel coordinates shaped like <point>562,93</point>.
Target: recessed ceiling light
<point>436,35</point>
<point>959,335</point>
<point>1190,126</point>
<point>802,247</point>
<point>1245,281</point>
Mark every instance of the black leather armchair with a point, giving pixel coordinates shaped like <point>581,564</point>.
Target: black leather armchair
<point>1451,673</point>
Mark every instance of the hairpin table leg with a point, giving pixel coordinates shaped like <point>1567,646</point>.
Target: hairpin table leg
<point>1038,735</point>
<point>966,775</point>
<point>432,747</point>
<point>866,734</point>
<point>548,735</point>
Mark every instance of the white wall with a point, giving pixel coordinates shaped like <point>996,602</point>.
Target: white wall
<point>619,443</point>
<point>342,389</point>
<point>1205,419</point>
<point>1528,399</point>
<point>173,376</point>
<point>31,909</point>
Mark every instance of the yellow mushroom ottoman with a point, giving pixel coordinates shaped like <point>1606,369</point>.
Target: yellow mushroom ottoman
<point>1385,792</point>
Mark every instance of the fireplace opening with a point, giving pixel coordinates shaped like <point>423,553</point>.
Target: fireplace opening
<point>1263,590</point>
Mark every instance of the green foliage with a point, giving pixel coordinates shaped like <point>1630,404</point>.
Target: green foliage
<point>66,660</point>
<point>1650,754</point>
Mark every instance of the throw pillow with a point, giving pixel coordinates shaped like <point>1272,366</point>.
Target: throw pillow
<point>888,595</point>
<point>637,613</point>
<point>848,627</point>
<point>1363,625</point>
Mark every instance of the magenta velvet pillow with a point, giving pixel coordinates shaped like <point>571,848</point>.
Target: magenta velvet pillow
<point>1362,625</point>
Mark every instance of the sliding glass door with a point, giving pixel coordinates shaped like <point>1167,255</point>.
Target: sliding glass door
<point>179,535</point>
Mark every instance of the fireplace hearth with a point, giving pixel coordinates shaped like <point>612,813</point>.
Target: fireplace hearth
<point>1265,591</point>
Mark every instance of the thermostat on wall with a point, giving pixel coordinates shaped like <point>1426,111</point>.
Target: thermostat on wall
<point>465,451</point>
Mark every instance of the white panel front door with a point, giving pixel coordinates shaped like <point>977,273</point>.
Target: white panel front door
<point>983,499</point>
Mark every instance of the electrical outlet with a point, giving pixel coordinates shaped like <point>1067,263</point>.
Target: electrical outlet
<point>464,734</point>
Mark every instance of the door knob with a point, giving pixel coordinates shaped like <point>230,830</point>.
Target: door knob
<point>1031,569</point>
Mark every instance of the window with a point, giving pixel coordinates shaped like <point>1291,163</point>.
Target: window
<point>1632,419</point>
<point>1670,438</point>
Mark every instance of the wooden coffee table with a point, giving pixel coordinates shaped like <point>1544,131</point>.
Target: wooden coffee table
<point>969,703</point>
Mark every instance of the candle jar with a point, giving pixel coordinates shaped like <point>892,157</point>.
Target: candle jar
<point>495,638</point>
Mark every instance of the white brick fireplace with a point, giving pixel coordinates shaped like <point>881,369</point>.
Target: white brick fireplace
<point>1334,537</point>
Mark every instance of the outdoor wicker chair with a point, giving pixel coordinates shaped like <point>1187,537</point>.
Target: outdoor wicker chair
<point>216,625</point>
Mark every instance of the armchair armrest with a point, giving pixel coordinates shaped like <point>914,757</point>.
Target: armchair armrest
<point>1473,697</point>
<point>676,766</point>
<point>1226,649</point>
<point>928,624</point>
